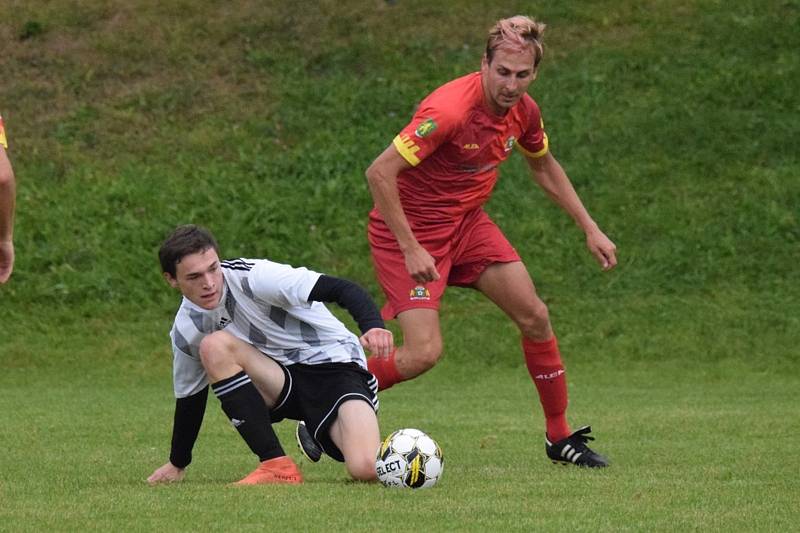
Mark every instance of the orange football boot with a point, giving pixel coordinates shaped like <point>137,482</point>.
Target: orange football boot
<point>280,470</point>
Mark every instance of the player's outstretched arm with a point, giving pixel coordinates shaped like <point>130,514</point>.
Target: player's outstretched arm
<point>382,180</point>
<point>374,336</point>
<point>550,176</point>
<point>167,473</point>
<point>378,341</point>
<point>602,248</point>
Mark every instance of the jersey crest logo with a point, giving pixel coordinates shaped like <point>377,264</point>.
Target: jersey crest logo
<point>510,143</point>
<point>425,128</point>
<point>419,293</point>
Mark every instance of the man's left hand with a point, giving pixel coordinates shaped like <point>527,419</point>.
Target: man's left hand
<point>603,250</point>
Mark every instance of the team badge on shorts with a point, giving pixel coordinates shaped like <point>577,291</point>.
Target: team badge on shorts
<point>425,128</point>
<point>510,143</point>
<point>419,293</point>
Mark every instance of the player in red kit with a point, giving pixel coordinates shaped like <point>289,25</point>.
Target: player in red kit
<point>429,230</point>
<point>8,195</point>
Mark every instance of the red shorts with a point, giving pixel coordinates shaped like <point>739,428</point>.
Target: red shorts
<point>462,250</point>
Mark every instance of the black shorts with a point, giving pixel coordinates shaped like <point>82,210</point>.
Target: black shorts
<point>313,394</point>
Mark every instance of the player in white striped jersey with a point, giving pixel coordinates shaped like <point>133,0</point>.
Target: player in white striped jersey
<point>258,333</point>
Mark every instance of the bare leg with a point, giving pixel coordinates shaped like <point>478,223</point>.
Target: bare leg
<point>421,349</point>
<point>355,432</point>
<point>510,287</point>
<point>247,384</point>
<point>422,342</point>
<point>224,355</point>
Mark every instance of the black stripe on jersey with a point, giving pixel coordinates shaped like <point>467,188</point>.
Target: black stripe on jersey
<point>237,264</point>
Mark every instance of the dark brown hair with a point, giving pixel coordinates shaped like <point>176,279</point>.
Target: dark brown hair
<point>184,240</point>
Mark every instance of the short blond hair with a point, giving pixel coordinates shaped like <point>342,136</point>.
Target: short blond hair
<point>517,33</point>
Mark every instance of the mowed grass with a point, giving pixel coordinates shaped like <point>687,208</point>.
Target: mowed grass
<point>677,122</point>
<point>692,449</point>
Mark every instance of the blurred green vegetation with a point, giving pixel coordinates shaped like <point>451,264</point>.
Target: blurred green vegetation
<point>675,120</point>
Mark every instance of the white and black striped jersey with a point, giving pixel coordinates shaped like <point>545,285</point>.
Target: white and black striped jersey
<point>265,304</point>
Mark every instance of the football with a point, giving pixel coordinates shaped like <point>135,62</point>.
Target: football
<point>409,458</point>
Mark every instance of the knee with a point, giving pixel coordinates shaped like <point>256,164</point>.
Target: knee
<point>426,353</point>
<point>362,468</point>
<point>215,349</point>
<point>534,323</point>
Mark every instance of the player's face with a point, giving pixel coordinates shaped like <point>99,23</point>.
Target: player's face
<point>199,277</point>
<point>507,77</point>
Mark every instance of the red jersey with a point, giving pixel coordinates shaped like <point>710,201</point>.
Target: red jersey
<point>455,144</point>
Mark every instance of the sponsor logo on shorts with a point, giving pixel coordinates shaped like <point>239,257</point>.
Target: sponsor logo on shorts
<point>419,293</point>
<point>425,128</point>
<point>471,146</point>
<point>510,143</point>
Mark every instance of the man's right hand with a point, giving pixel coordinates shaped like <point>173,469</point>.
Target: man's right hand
<point>168,473</point>
<point>421,265</point>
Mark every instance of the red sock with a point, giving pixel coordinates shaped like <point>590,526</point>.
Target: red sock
<point>547,371</point>
<point>385,370</point>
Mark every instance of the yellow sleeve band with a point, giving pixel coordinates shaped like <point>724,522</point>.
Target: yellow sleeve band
<point>536,155</point>
<point>407,149</point>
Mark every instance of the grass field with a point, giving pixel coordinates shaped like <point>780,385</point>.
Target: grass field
<point>677,122</point>
<point>688,448</point>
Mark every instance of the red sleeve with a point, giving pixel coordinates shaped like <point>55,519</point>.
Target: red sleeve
<point>533,141</point>
<point>429,128</point>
